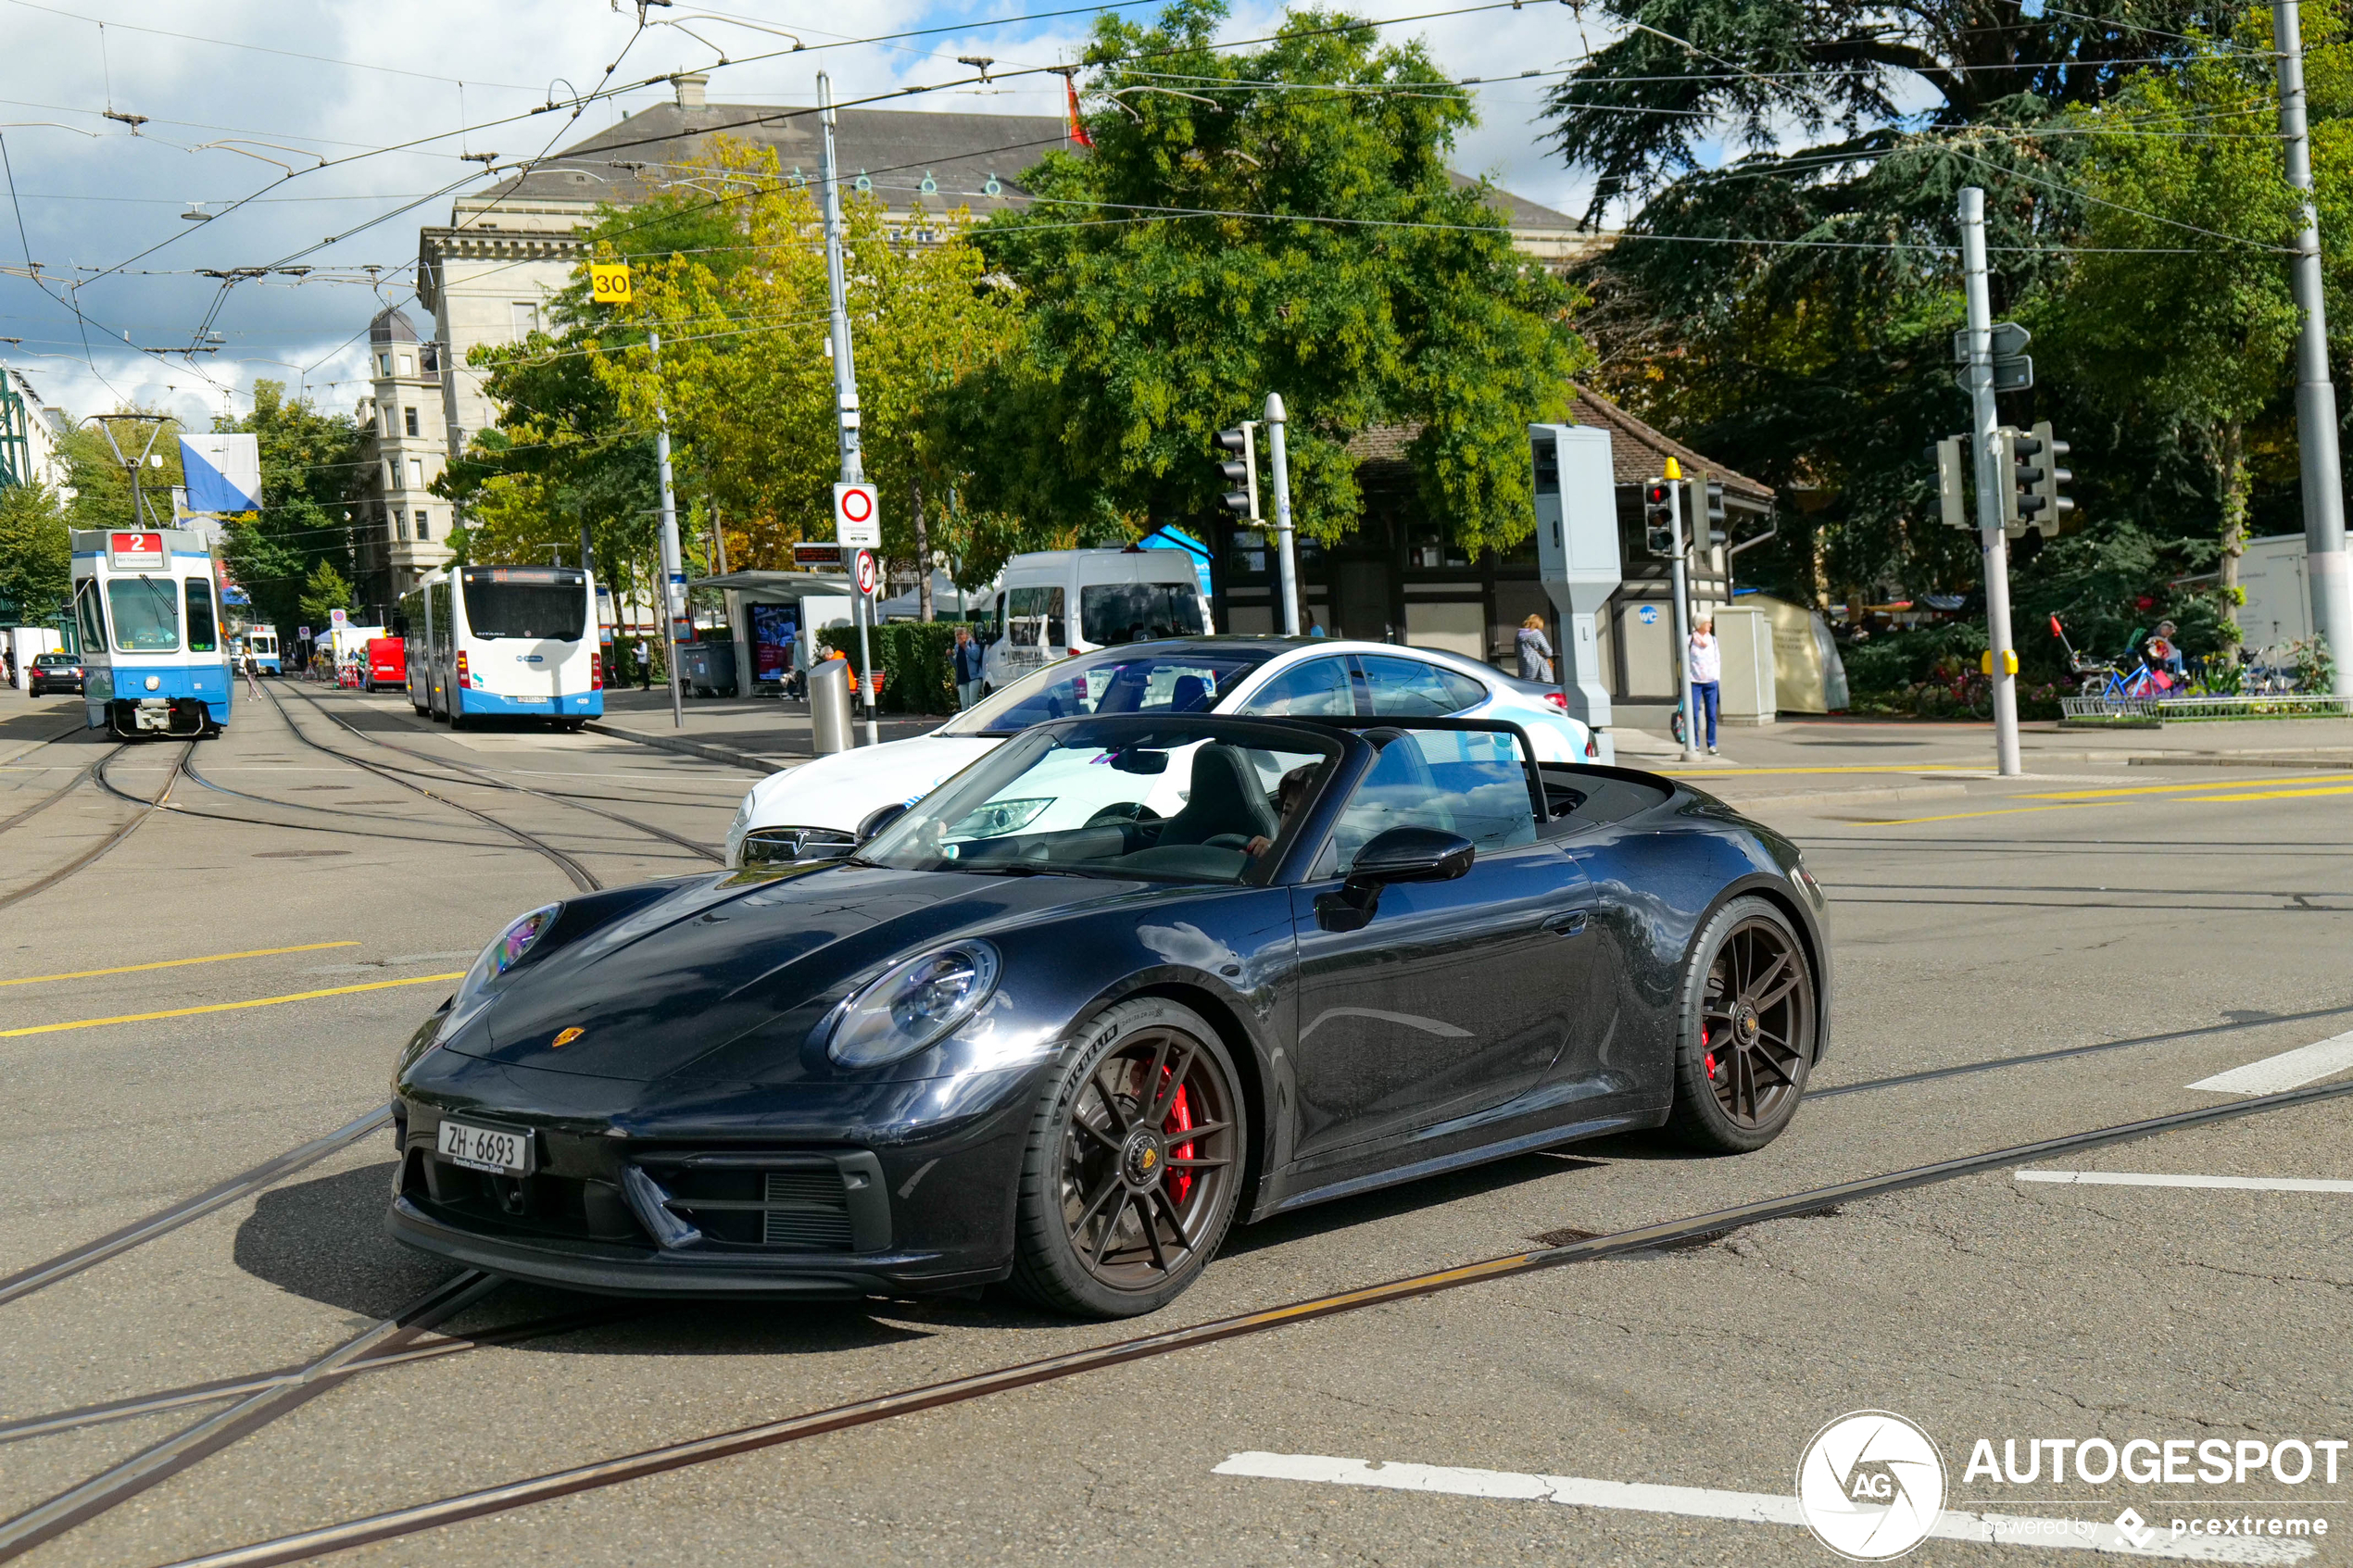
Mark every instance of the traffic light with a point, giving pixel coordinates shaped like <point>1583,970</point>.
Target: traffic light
<point>1703,504</point>
<point>1952,469</point>
<point>2019,476</point>
<point>1241,472</point>
<point>1658,516</point>
<point>2046,489</point>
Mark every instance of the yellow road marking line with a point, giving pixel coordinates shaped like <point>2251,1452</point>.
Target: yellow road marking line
<point>175,963</point>
<point>230,1007</point>
<point>1959,816</point>
<point>2178,788</point>
<point>2281,794</point>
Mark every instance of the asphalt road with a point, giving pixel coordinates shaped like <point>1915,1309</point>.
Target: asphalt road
<point>2084,946</point>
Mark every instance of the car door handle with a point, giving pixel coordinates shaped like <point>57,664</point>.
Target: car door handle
<point>1570,924</point>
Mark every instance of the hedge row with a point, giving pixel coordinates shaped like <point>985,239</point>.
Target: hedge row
<point>916,658</point>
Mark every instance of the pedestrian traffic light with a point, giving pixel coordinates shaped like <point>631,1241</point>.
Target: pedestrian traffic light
<point>2046,489</point>
<point>1658,516</point>
<point>1241,472</point>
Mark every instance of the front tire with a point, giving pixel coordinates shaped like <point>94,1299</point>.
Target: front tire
<point>1746,1032</point>
<point>1134,1165</point>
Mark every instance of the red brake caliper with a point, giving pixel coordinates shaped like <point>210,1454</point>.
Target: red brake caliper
<point>1180,1119</point>
<point>1707,1061</point>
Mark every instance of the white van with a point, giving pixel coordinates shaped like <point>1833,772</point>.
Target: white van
<point>1129,596</point>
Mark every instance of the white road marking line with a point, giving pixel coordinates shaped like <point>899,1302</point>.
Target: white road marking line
<point>2238,1183</point>
<point>1757,1508</point>
<point>2288,1070</point>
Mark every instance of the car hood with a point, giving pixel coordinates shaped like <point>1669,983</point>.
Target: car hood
<point>843,790</point>
<point>725,978</point>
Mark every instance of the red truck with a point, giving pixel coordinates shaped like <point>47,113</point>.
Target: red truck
<point>387,663</point>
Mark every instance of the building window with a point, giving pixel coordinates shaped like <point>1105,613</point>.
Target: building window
<point>408,365</point>
<point>430,359</point>
<point>400,525</point>
<point>526,317</point>
<point>416,473</point>
<point>383,364</point>
<point>409,417</point>
<point>424,525</point>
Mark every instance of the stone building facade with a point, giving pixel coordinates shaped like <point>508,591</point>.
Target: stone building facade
<point>401,530</point>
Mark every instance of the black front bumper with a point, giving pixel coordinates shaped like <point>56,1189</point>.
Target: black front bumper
<point>612,1269</point>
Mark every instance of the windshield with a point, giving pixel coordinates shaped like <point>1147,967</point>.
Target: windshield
<point>146,618</point>
<point>525,602</point>
<point>1161,681</point>
<point>1133,612</point>
<point>1204,800</point>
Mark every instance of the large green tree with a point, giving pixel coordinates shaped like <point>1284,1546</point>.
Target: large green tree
<point>36,558</point>
<point>309,463</point>
<point>1275,220</point>
<point>1788,307</point>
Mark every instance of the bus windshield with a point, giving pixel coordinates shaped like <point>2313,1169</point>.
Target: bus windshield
<point>146,618</point>
<point>525,602</point>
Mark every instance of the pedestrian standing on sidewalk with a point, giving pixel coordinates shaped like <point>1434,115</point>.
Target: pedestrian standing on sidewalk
<point>1535,650</point>
<point>1708,674</point>
<point>968,657</point>
<point>644,667</point>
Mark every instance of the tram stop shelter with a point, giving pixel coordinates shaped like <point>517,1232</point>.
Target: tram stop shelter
<point>774,611</point>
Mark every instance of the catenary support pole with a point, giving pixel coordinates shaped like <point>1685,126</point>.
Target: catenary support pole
<point>1986,449</point>
<point>853,469</point>
<point>1287,559</point>
<point>2324,558</point>
<point>673,574</point>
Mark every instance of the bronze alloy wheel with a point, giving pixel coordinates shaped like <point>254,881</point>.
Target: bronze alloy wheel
<point>1135,1164</point>
<point>1748,1030</point>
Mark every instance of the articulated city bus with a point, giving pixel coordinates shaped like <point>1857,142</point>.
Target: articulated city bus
<point>504,641</point>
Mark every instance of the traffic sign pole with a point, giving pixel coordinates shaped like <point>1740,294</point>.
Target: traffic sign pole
<point>853,470</point>
<point>673,576</point>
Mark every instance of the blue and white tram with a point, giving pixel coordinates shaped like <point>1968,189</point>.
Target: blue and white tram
<point>505,642</point>
<point>155,660</point>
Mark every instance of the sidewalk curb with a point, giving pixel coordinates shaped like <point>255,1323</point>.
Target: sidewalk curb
<point>2224,760</point>
<point>728,755</point>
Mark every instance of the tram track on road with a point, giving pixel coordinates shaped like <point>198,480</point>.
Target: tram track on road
<point>580,876</point>
<point>489,779</point>
<point>82,775</point>
<point>369,1350</point>
<point>96,773</point>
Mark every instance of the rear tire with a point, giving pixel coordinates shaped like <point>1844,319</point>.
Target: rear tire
<point>1745,1031</point>
<point>1134,1165</point>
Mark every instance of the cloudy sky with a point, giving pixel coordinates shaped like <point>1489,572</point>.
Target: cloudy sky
<point>238,96</point>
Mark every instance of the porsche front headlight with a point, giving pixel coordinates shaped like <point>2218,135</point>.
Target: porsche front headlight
<point>913,1004</point>
<point>506,950</point>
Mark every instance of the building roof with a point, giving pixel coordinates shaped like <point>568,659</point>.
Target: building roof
<point>1637,451</point>
<point>391,326</point>
<point>895,150</point>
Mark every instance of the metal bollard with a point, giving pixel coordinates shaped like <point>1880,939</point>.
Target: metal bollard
<point>829,706</point>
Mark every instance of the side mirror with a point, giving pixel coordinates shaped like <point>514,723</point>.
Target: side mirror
<point>1406,854</point>
<point>1412,854</point>
<point>880,820</point>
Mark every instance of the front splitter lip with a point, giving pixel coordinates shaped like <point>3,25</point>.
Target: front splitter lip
<point>608,1270</point>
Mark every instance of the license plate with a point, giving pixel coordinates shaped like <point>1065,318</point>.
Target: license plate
<point>485,1148</point>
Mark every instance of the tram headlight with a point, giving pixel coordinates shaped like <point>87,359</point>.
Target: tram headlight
<point>506,950</point>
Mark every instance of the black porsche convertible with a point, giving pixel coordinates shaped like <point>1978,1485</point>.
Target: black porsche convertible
<point>1119,983</point>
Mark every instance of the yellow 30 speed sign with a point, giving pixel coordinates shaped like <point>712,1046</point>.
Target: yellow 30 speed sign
<point>609,281</point>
